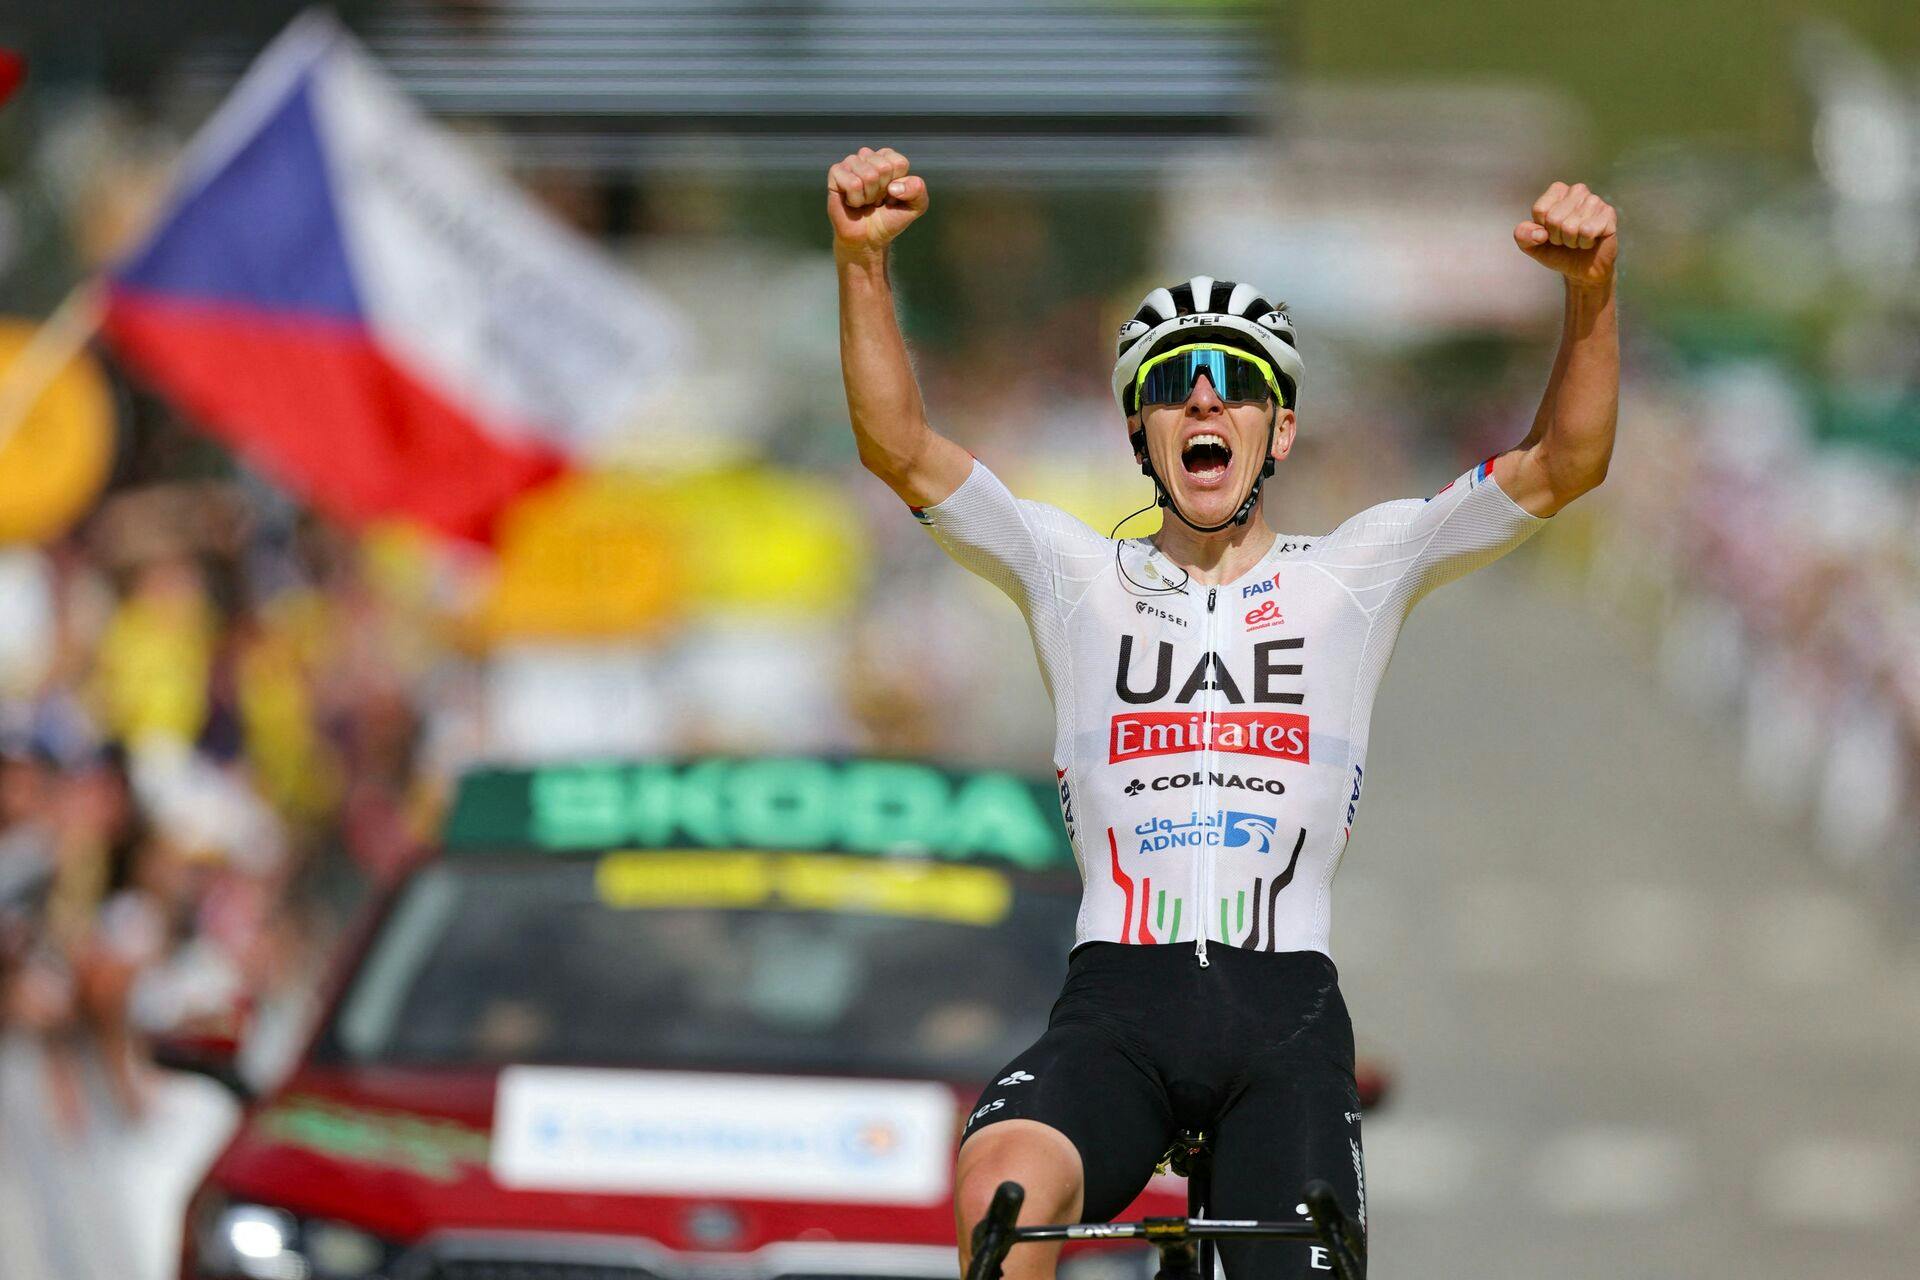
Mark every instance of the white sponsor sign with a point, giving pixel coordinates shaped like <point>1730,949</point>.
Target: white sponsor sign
<point>684,1133</point>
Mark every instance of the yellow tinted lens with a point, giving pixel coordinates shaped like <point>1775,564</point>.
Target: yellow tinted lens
<point>1236,376</point>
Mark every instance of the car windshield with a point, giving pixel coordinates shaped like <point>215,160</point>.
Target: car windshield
<point>743,961</point>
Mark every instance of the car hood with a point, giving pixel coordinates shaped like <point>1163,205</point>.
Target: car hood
<point>410,1153</point>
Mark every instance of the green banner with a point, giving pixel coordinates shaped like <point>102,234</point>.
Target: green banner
<point>878,807</point>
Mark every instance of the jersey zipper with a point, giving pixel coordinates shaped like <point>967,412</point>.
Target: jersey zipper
<point>1203,868</point>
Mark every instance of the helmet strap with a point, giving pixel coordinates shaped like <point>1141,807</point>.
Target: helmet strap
<point>1242,513</point>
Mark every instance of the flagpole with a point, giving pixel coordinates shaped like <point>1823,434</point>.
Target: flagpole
<point>53,346</point>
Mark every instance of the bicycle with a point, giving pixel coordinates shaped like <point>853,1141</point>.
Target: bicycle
<point>1177,1238</point>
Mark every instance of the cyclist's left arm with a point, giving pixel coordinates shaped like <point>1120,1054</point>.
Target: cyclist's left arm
<point>1575,233</point>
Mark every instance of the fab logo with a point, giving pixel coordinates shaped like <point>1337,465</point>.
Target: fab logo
<point>1259,588</point>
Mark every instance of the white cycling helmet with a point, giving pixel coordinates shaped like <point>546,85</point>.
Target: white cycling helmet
<point>1205,309</point>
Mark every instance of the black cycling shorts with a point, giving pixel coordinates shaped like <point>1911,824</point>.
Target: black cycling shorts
<point>1255,1049</point>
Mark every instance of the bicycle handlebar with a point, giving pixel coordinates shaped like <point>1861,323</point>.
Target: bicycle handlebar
<point>994,1235</point>
<point>1346,1250</point>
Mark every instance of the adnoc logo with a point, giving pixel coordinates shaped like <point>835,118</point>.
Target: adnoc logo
<point>1255,829</point>
<point>1228,829</point>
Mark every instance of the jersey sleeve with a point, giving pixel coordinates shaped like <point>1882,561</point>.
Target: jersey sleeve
<point>998,537</point>
<point>1393,554</point>
<point>1041,557</point>
<point>1035,553</point>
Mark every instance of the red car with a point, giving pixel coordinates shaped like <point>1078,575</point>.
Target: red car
<point>716,1018</point>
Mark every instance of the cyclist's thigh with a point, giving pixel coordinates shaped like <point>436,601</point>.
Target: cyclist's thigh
<point>1079,1080</point>
<point>1296,1119</point>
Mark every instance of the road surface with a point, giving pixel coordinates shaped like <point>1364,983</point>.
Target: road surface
<point>1640,1030</point>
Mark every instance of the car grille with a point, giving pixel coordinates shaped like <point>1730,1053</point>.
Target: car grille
<point>505,1269</point>
<point>508,1269</point>
<point>505,1256</point>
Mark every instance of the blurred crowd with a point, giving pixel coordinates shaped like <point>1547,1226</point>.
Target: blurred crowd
<point>1781,575</point>
<point>206,744</point>
<point>192,720</point>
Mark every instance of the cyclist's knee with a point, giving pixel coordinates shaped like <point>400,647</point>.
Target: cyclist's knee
<point>1039,1157</point>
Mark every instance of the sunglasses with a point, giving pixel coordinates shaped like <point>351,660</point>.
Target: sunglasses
<point>1238,377</point>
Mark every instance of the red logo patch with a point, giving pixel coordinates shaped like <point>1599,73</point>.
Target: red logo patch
<point>1264,614</point>
<point>1280,735</point>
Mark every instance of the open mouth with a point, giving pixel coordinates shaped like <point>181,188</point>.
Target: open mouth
<point>1206,456</point>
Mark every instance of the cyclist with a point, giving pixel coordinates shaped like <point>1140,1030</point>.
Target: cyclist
<point>1212,688</point>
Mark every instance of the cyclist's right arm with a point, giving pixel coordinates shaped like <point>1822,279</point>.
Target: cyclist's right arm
<point>871,198</point>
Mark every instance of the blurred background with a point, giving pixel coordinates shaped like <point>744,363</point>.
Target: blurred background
<point>1632,907</point>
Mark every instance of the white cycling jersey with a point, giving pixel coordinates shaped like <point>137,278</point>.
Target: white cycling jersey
<point>1211,740</point>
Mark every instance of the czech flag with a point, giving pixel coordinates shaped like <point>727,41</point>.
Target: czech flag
<point>344,296</point>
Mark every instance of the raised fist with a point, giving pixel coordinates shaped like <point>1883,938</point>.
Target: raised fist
<point>1575,232</point>
<point>871,199</point>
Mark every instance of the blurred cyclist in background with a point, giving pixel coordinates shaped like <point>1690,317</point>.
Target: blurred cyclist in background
<point>1212,686</point>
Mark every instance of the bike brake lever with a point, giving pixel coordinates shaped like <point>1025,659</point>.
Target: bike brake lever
<point>993,1234</point>
<point>1346,1249</point>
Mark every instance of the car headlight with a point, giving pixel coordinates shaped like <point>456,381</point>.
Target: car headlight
<point>236,1240</point>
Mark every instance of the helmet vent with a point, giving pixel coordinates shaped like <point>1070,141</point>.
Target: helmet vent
<point>1158,305</point>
